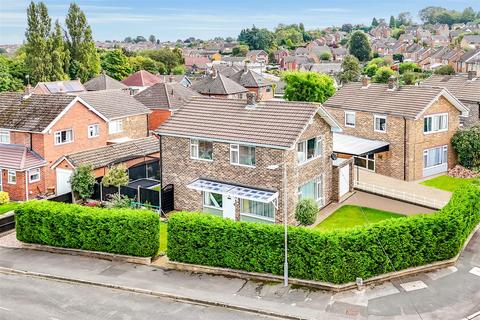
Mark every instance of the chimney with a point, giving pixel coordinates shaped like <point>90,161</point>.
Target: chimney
<point>365,81</point>
<point>28,89</point>
<point>170,79</point>
<point>251,100</point>
<point>245,68</point>
<point>214,73</point>
<point>392,83</point>
<point>472,75</point>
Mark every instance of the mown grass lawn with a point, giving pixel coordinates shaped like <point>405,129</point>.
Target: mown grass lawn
<point>349,216</point>
<point>6,207</point>
<point>447,183</point>
<point>163,238</point>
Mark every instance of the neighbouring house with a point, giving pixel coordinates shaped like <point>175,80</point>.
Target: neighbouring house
<point>67,86</point>
<point>234,61</point>
<point>228,71</point>
<point>127,118</point>
<point>103,82</point>
<point>139,156</point>
<point>179,78</point>
<point>381,31</point>
<point>197,64</point>
<point>280,54</point>
<point>219,86</point>
<point>242,159</point>
<point>399,131</point>
<point>37,129</point>
<point>470,61</point>
<point>163,99</point>
<point>140,80</point>
<point>258,56</point>
<point>293,63</point>
<point>470,41</point>
<point>254,82</point>
<point>466,88</point>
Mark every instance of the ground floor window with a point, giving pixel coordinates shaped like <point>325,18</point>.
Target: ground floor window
<point>213,203</point>
<point>12,177</point>
<point>34,175</point>
<point>435,157</point>
<point>367,161</point>
<point>255,209</point>
<point>314,190</point>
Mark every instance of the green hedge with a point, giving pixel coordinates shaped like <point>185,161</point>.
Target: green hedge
<point>335,256</point>
<point>121,231</point>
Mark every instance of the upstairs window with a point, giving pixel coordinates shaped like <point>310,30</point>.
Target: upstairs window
<point>4,136</point>
<point>115,126</point>
<point>242,155</point>
<point>93,130</point>
<point>435,123</point>
<point>309,149</point>
<point>350,119</point>
<point>380,123</point>
<point>64,136</point>
<point>201,149</point>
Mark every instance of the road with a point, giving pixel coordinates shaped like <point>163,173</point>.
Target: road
<point>23,297</point>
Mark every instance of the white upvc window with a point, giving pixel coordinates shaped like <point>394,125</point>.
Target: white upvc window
<point>34,175</point>
<point>350,119</point>
<point>93,130</point>
<point>435,123</point>
<point>309,149</point>
<point>12,177</point>
<point>435,157</point>
<point>4,136</point>
<point>63,136</point>
<point>242,155</point>
<point>115,126</point>
<point>201,149</point>
<point>380,123</point>
<point>256,209</point>
<point>313,189</point>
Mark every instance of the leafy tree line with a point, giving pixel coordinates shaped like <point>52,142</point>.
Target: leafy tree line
<point>432,15</point>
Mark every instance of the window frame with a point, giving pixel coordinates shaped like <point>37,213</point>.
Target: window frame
<point>9,175</point>
<point>235,148</point>
<point>319,180</point>
<point>432,117</point>
<point>5,133</point>
<point>318,150</point>
<point>195,143</point>
<point>30,180</point>
<point>444,154</point>
<point>205,193</point>
<point>89,130</point>
<point>116,122</point>
<point>354,119</point>
<point>60,134</point>
<point>256,216</point>
<point>379,116</point>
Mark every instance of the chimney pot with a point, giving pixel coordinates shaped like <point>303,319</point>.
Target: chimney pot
<point>365,81</point>
<point>251,100</point>
<point>214,73</point>
<point>472,75</point>
<point>170,79</point>
<point>392,82</point>
<point>245,68</point>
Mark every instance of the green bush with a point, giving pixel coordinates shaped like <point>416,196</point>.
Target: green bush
<point>337,256</point>
<point>466,143</point>
<point>121,231</point>
<point>306,211</point>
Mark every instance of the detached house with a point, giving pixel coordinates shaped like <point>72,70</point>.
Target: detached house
<point>259,56</point>
<point>251,161</point>
<point>140,80</point>
<point>254,82</point>
<point>103,82</point>
<point>54,87</point>
<point>403,132</point>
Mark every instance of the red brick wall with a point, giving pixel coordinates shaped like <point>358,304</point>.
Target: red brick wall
<point>17,192</point>
<point>157,117</point>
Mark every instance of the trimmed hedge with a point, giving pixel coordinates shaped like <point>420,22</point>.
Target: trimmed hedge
<point>121,231</point>
<point>335,256</point>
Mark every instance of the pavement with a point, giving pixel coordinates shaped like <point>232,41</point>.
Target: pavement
<point>450,293</point>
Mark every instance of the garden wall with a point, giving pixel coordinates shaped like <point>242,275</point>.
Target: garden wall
<point>336,256</point>
<point>121,231</point>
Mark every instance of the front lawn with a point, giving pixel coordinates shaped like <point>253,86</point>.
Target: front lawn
<point>6,207</point>
<point>447,183</point>
<point>349,216</point>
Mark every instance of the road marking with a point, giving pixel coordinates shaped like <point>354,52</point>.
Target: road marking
<point>474,315</point>
<point>414,285</point>
<point>475,271</point>
<point>2,308</point>
<point>442,273</point>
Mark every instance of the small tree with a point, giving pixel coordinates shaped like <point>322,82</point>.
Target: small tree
<point>466,143</point>
<point>382,75</point>
<point>408,66</point>
<point>306,211</point>
<point>325,56</point>
<point>308,86</point>
<point>83,181</point>
<point>350,69</point>
<point>445,70</point>
<point>117,176</point>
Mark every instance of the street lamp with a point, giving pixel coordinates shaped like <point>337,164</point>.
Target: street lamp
<point>285,218</point>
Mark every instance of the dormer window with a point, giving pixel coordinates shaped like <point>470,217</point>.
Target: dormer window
<point>4,136</point>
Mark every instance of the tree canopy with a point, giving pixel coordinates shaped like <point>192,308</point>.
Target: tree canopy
<point>256,39</point>
<point>350,69</point>
<point>116,64</point>
<point>359,46</point>
<point>308,86</point>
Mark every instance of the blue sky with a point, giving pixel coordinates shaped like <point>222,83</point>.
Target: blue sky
<point>171,20</point>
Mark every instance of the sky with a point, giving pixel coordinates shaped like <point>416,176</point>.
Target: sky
<point>205,19</point>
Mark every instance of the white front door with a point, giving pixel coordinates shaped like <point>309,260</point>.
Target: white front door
<point>63,186</point>
<point>229,207</point>
<point>344,183</point>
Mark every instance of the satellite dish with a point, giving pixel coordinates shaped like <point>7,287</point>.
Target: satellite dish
<point>333,156</point>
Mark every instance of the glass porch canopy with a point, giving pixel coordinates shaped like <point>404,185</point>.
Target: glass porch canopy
<point>233,190</point>
<point>356,146</point>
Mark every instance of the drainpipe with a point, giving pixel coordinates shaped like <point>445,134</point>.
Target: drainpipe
<point>160,168</point>
<point>285,222</point>
<point>404,149</point>
<point>26,184</point>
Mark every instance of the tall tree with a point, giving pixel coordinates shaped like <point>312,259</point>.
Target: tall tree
<point>152,38</point>
<point>256,38</point>
<point>393,22</point>
<point>404,19</point>
<point>308,86</point>
<point>116,64</point>
<point>359,46</point>
<point>374,22</point>
<point>350,69</point>
<point>59,53</point>
<point>85,60</point>
<point>36,44</point>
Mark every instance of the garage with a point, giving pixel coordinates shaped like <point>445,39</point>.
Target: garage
<point>63,176</point>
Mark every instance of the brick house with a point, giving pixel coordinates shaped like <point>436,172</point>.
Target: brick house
<point>140,80</point>
<point>54,87</point>
<point>466,88</point>
<point>254,82</point>
<point>259,56</point>
<point>251,161</point>
<point>403,132</point>
<point>103,82</point>
<point>470,61</point>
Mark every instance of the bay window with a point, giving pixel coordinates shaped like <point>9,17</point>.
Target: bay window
<point>242,155</point>
<point>201,149</point>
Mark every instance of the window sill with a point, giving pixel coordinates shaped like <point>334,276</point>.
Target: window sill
<point>257,217</point>
<point>432,132</point>
<point>309,160</point>
<point>349,126</point>
<point>380,131</point>
<point>200,159</point>
<point>61,144</point>
<point>243,165</point>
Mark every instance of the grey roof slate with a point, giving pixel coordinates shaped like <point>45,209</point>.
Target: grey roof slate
<point>167,95</point>
<point>250,79</point>
<point>103,82</point>
<point>459,85</point>
<point>220,85</point>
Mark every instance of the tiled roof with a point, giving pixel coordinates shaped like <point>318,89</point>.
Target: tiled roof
<point>19,157</point>
<point>33,113</point>
<point>61,86</point>
<point>168,95</point>
<point>141,78</point>
<point>408,101</point>
<point>270,123</point>
<point>228,71</point>
<point>250,79</point>
<point>113,104</point>
<point>103,82</point>
<point>467,57</point>
<point>220,85</point>
<point>459,85</point>
<point>108,155</point>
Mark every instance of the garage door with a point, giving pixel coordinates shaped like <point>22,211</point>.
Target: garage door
<point>63,186</point>
<point>344,183</point>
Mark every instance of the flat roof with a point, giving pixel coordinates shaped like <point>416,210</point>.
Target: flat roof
<point>347,144</point>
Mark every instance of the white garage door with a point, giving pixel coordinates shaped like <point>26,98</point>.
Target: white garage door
<point>63,186</point>
<point>344,183</point>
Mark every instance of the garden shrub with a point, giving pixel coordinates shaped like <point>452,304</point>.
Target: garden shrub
<point>466,143</point>
<point>306,211</point>
<point>4,198</point>
<point>334,256</point>
<point>122,231</point>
